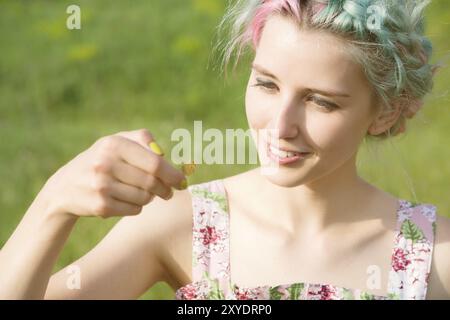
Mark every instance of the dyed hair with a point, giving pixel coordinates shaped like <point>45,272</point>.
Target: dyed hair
<point>386,37</point>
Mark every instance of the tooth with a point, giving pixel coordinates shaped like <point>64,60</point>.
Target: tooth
<point>282,153</point>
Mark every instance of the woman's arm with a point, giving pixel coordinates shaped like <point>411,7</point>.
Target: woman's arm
<point>133,255</point>
<point>27,258</point>
<point>128,261</point>
<point>117,176</point>
<point>439,284</point>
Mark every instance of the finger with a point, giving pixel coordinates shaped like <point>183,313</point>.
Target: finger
<point>114,207</point>
<point>149,184</point>
<point>128,174</point>
<point>142,136</point>
<point>130,194</point>
<point>144,159</point>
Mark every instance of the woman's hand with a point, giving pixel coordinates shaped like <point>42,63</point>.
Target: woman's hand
<point>116,176</point>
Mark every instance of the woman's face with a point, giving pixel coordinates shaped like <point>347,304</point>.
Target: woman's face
<point>316,99</point>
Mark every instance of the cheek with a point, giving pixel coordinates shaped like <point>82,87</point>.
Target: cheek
<point>335,135</point>
<point>257,109</point>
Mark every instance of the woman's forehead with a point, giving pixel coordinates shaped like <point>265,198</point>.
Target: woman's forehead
<point>284,48</point>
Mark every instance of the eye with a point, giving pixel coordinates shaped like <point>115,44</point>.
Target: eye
<point>330,106</point>
<point>265,85</point>
<point>271,87</point>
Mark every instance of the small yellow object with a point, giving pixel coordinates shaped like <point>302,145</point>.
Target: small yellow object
<point>188,168</point>
<point>183,184</point>
<point>156,148</point>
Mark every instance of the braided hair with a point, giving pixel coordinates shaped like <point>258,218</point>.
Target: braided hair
<point>386,37</point>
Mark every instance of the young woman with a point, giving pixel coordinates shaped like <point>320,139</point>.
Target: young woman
<point>325,75</point>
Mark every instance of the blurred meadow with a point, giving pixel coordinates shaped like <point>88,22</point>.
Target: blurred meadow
<point>144,64</point>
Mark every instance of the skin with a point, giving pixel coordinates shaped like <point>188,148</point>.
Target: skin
<point>325,213</point>
<point>319,211</point>
<point>117,176</point>
<point>302,117</point>
<point>321,201</point>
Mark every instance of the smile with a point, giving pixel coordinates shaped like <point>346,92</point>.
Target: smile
<point>284,156</point>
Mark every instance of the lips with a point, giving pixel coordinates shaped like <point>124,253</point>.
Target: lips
<point>285,153</point>
<point>285,156</point>
<point>282,153</point>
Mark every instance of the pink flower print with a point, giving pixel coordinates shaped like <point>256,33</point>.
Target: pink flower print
<point>209,234</point>
<point>242,295</point>
<point>189,293</point>
<point>400,261</point>
<point>326,292</point>
<point>314,292</point>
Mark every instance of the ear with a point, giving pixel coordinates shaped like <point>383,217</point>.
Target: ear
<point>386,118</point>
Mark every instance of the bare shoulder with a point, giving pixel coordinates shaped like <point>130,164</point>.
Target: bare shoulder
<point>239,183</point>
<point>171,225</point>
<point>170,221</point>
<point>439,286</point>
<point>169,216</point>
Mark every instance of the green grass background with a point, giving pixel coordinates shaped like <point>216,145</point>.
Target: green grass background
<point>143,64</point>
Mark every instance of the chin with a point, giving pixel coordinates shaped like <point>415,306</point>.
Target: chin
<point>285,178</point>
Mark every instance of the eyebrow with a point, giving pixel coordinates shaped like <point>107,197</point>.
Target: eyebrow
<point>329,93</point>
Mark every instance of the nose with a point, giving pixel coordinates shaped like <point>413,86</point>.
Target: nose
<point>286,121</point>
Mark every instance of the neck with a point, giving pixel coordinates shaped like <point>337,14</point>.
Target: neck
<point>334,198</point>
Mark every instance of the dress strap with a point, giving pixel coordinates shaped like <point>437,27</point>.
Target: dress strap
<point>413,251</point>
<point>210,244</point>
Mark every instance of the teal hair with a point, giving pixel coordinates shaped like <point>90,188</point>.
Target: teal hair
<point>392,50</point>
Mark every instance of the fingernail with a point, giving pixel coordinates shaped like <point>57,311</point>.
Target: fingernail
<point>156,148</point>
<point>188,168</point>
<point>170,195</point>
<point>183,184</point>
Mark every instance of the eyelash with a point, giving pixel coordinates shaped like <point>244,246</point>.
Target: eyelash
<point>269,86</point>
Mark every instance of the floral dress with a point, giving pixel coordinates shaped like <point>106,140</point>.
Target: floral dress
<point>408,277</point>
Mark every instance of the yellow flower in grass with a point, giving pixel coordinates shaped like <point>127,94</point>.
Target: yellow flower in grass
<point>212,8</point>
<point>82,52</point>
<point>187,45</point>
